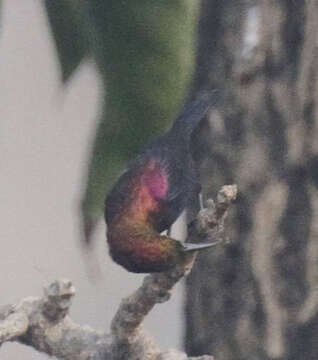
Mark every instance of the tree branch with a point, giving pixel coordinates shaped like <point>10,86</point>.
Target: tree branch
<point>44,323</point>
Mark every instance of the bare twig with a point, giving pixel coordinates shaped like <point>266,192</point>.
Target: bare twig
<point>44,324</point>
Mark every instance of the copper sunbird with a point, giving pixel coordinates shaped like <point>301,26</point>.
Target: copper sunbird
<point>149,197</point>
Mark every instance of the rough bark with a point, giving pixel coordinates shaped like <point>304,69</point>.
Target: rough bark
<point>258,298</point>
<point>44,323</point>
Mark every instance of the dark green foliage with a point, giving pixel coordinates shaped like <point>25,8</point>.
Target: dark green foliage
<point>68,23</point>
<point>145,52</point>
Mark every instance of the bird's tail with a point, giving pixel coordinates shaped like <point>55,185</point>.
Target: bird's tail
<point>194,112</point>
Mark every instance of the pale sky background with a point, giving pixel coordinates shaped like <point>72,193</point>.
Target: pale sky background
<point>45,132</point>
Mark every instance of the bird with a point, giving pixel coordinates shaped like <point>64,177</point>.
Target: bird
<point>151,194</point>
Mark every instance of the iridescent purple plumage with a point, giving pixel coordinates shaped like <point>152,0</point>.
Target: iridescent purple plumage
<point>149,197</point>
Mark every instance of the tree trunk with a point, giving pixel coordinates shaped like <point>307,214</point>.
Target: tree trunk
<point>257,298</point>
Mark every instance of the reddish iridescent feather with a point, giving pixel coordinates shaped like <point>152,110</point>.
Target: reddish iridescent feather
<point>134,242</point>
<point>150,196</point>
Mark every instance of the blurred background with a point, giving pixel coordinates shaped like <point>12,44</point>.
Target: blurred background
<point>46,132</point>
<point>84,84</point>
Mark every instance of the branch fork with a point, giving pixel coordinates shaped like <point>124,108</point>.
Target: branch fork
<point>44,323</point>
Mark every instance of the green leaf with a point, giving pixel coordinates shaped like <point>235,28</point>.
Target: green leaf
<point>68,22</point>
<point>145,51</point>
